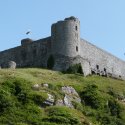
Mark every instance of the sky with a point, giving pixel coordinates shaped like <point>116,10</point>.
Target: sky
<point>102,21</point>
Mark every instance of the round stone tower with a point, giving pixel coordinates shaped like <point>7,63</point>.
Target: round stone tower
<point>66,37</point>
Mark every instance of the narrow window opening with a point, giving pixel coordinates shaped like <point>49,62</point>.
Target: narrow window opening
<point>97,66</point>
<point>77,48</point>
<point>76,28</point>
<point>104,69</point>
<point>120,76</point>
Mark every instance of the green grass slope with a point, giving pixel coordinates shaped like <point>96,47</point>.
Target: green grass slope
<point>102,99</point>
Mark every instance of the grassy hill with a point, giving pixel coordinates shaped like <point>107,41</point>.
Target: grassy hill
<point>102,99</point>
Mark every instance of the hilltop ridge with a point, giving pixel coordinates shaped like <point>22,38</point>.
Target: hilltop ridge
<point>102,99</point>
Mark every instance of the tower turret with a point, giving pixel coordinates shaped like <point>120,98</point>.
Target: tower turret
<point>66,37</point>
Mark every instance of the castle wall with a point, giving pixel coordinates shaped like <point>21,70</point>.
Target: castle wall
<point>67,48</point>
<point>103,59</point>
<point>62,63</point>
<point>34,54</point>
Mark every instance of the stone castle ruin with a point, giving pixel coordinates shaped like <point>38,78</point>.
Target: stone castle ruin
<point>67,48</point>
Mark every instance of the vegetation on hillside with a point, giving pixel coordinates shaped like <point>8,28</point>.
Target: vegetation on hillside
<point>20,104</point>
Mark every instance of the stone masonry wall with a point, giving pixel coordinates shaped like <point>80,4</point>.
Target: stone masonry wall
<point>63,62</point>
<point>103,59</point>
<point>34,54</point>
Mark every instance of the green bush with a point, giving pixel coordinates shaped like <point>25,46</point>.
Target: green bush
<point>8,86</point>
<point>57,119</point>
<point>115,108</point>
<point>112,92</point>
<point>106,119</point>
<point>62,115</point>
<point>21,124</point>
<point>76,68</point>
<point>23,97</point>
<point>5,100</point>
<point>19,88</point>
<point>87,111</point>
<point>77,105</point>
<point>92,97</point>
<point>50,62</point>
<point>39,97</point>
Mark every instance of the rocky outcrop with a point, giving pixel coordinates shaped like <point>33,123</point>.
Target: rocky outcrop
<point>50,100</point>
<point>59,102</point>
<point>45,85</point>
<point>12,65</point>
<point>70,96</point>
<point>36,87</point>
<point>69,90</point>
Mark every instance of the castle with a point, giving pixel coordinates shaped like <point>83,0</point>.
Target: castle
<point>67,48</point>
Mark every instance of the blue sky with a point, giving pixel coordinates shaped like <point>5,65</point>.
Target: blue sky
<point>102,21</point>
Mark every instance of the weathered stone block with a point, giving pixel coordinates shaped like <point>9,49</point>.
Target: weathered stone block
<point>12,65</point>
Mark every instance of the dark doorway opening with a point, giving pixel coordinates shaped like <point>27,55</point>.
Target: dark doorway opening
<point>97,66</point>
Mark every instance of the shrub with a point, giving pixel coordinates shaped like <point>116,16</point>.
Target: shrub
<point>63,115</point>
<point>21,91</point>
<point>39,97</point>
<point>5,101</point>
<point>21,124</point>
<point>114,107</point>
<point>50,62</point>
<point>57,119</point>
<point>77,105</point>
<point>105,119</point>
<point>23,97</point>
<point>112,92</point>
<point>15,86</point>
<point>109,120</point>
<point>8,86</point>
<point>92,97</point>
<point>76,68</point>
<point>18,88</point>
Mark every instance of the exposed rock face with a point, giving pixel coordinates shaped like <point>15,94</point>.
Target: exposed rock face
<point>68,101</point>
<point>36,87</point>
<point>45,85</point>
<point>70,95</point>
<point>59,102</point>
<point>69,90</point>
<point>50,100</point>
<point>11,65</point>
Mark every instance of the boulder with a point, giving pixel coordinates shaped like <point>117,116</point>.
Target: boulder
<point>36,87</point>
<point>70,96</point>
<point>60,102</point>
<point>50,100</point>
<point>12,65</point>
<point>68,101</point>
<point>45,85</point>
<point>69,90</point>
